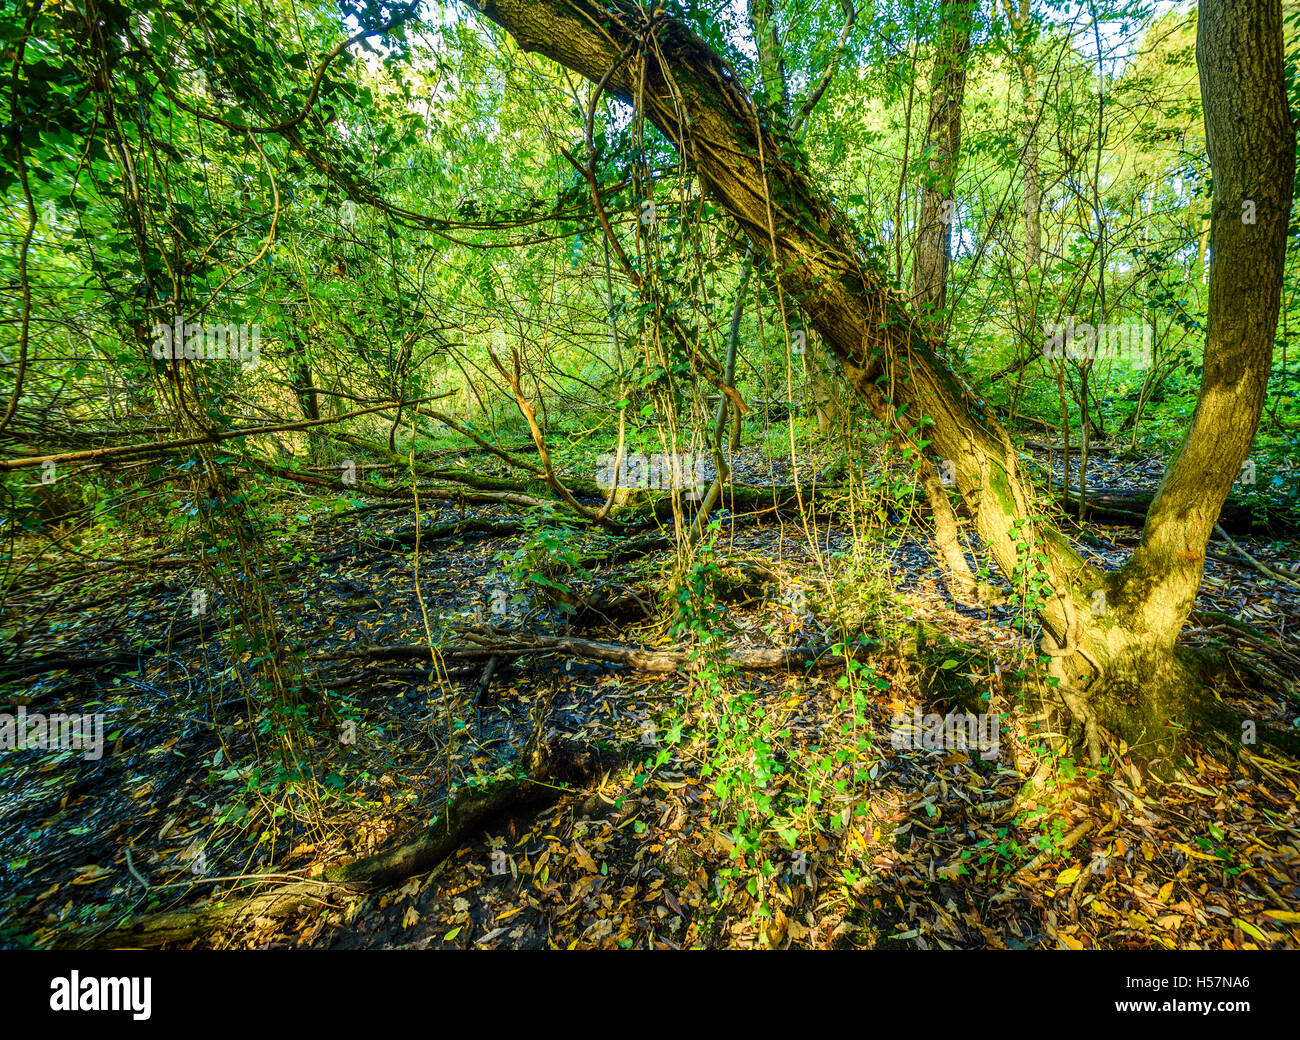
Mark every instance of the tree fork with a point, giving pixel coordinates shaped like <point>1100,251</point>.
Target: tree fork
<point>759,179</point>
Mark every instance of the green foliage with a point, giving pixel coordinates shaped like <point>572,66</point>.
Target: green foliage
<point>547,558</point>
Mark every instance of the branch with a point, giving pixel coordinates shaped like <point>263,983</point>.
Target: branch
<point>540,441</point>
<point>163,447</point>
<point>1263,568</point>
<point>828,74</point>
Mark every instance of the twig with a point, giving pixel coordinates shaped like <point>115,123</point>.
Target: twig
<point>135,873</point>
<point>1263,568</point>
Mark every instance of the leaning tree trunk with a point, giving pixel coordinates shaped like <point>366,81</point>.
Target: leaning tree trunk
<point>762,181</point>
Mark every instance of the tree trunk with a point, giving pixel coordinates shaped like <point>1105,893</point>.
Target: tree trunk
<point>1026,63</point>
<point>821,385</point>
<point>1033,191</point>
<point>1251,144</point>
<point>771,65</point>
<point>942,150</point>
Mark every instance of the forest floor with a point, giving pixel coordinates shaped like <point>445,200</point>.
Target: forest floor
<point>931,852</point>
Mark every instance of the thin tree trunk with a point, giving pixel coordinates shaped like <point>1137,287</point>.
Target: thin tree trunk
<point>1025,61</point>
<point>942,150</point>
<point>714,494</point>
<point>932,255</point>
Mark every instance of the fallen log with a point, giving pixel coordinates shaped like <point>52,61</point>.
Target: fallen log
<point>563,763</point>
<point>623,551</point>
<point>456,530</point>
<point>100,455</point>
<point>371,673</point>
<point>739,499</point>
<point>1057,447</point>
<point>56,662</point>
<point>452,475</point>
<point>1273,573</point>
<point>487,643</point>
<point>1130,507</point>
<point>76,660</point>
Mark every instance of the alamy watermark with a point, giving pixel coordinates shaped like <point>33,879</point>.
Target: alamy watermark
<point>1083,342</point>
<point>208,341</point>
<point>946,732</point>
<point>84,733</point>
<point>653,473</point>
<point>130,993</point>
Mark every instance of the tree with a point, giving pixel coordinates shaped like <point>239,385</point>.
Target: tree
<point>1111,637</point>
<point>933,250</point>
<point>941,155</point>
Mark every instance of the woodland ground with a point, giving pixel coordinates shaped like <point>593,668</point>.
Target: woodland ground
<point>933,851</point>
